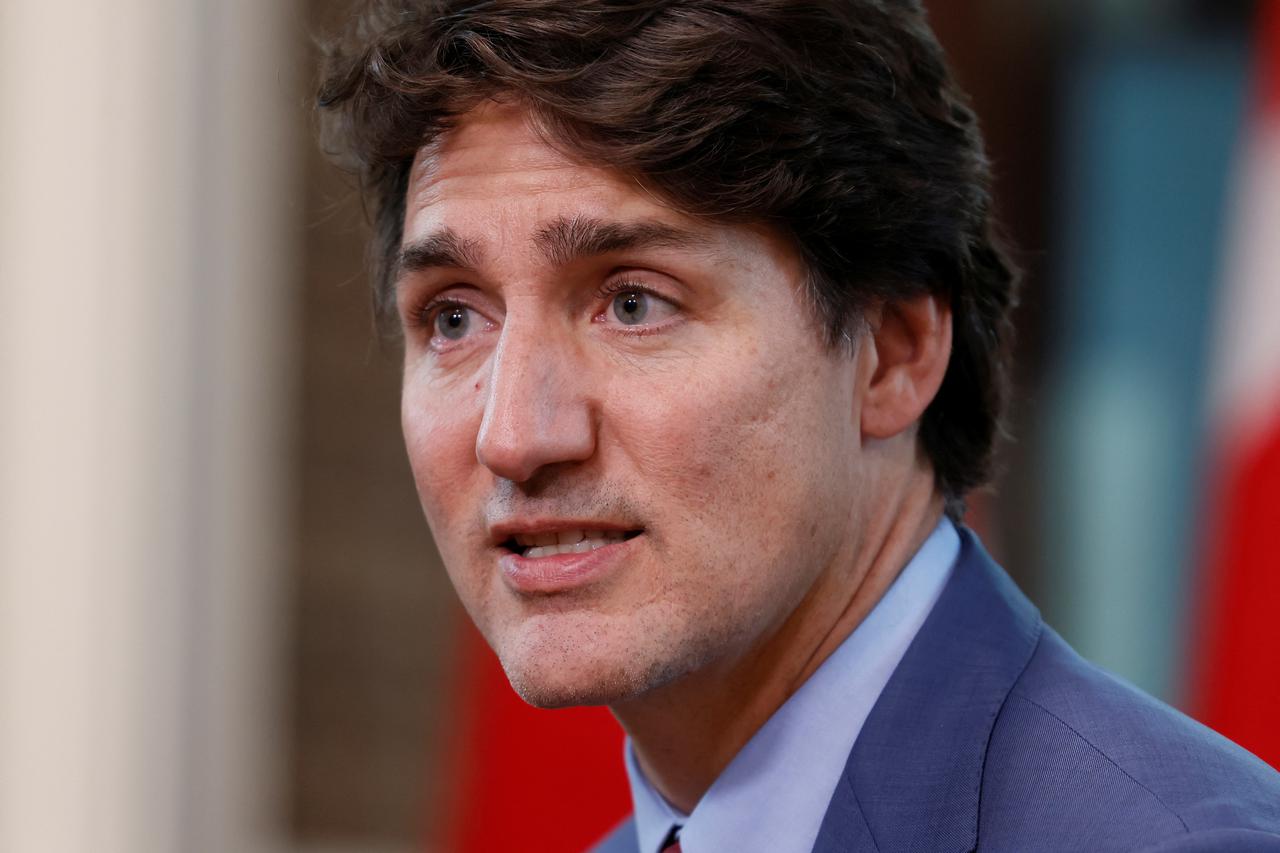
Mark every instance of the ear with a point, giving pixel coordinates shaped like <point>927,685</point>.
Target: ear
<point>908,345</point>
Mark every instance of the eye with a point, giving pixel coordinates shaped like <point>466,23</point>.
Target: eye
<point>631,308</point>
<point>634,306</point>
<point>453,322</point>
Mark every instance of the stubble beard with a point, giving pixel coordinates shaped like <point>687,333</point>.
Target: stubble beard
<point>594,667</point>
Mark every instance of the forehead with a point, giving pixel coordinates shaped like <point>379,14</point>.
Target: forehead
<point>496,157</point>
<point>501,195</point>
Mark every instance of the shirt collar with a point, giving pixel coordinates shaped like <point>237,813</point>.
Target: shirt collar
<point>654,816</point>
<point>775,792</point>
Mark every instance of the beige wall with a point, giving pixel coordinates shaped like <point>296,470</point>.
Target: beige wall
<point>147,258</point>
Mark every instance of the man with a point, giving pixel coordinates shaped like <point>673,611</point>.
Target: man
<point>705,330</point>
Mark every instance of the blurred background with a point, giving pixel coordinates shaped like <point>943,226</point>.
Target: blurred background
<point>223,625</point>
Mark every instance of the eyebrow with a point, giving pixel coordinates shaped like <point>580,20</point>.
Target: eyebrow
<point>444,248</point>
<point>562,241</point>
<point>567,239</point>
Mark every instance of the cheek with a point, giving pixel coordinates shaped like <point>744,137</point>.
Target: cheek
<point>748,469</point>
<point>746,446</point>
<point>440,428</point>
<point>440,431</point>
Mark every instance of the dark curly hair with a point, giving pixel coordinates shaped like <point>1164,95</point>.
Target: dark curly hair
<point>836,122</point>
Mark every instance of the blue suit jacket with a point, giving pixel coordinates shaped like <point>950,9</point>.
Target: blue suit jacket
<point>993,734</point>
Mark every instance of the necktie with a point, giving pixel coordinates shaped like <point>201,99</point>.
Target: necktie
<point>672,844</point>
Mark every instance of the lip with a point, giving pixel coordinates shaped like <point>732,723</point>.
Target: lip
<point>560,573</point>
<point>503,531</point>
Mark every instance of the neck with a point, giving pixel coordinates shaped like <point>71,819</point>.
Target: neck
<point>685,733</point>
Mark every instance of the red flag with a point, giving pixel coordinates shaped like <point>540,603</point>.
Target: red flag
<point>1236,661</point>
<point>523,779</point>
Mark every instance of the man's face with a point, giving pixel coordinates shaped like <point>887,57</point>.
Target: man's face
<point>584,363</point>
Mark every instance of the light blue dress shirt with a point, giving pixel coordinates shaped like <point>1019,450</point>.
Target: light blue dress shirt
<point>773,795</point>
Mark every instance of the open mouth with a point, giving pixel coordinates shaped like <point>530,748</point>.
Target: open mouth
<point>535,545</point>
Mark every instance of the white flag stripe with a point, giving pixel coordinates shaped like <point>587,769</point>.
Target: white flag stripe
<point>1246,379</point>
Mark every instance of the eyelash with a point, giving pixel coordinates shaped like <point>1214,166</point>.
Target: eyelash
<point>610,289</point>
<point>425,316</point>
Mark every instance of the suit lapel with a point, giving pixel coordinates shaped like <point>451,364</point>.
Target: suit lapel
<point>913,777</point>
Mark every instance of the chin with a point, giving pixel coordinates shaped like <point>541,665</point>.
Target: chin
<point>560,669</point>
<point>544,684</point>
<point>550,694</point>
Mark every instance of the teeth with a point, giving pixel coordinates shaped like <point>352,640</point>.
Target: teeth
<point>569,537</point>
<point>567,542</point>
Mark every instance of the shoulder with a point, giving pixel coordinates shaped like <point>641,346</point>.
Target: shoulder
<point>1076,752</point>
<point>621,839</point>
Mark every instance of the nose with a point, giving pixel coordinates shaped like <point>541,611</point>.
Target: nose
<point>537,412</point>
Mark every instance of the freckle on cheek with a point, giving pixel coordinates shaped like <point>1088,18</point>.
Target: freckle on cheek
<point>477,386</point>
